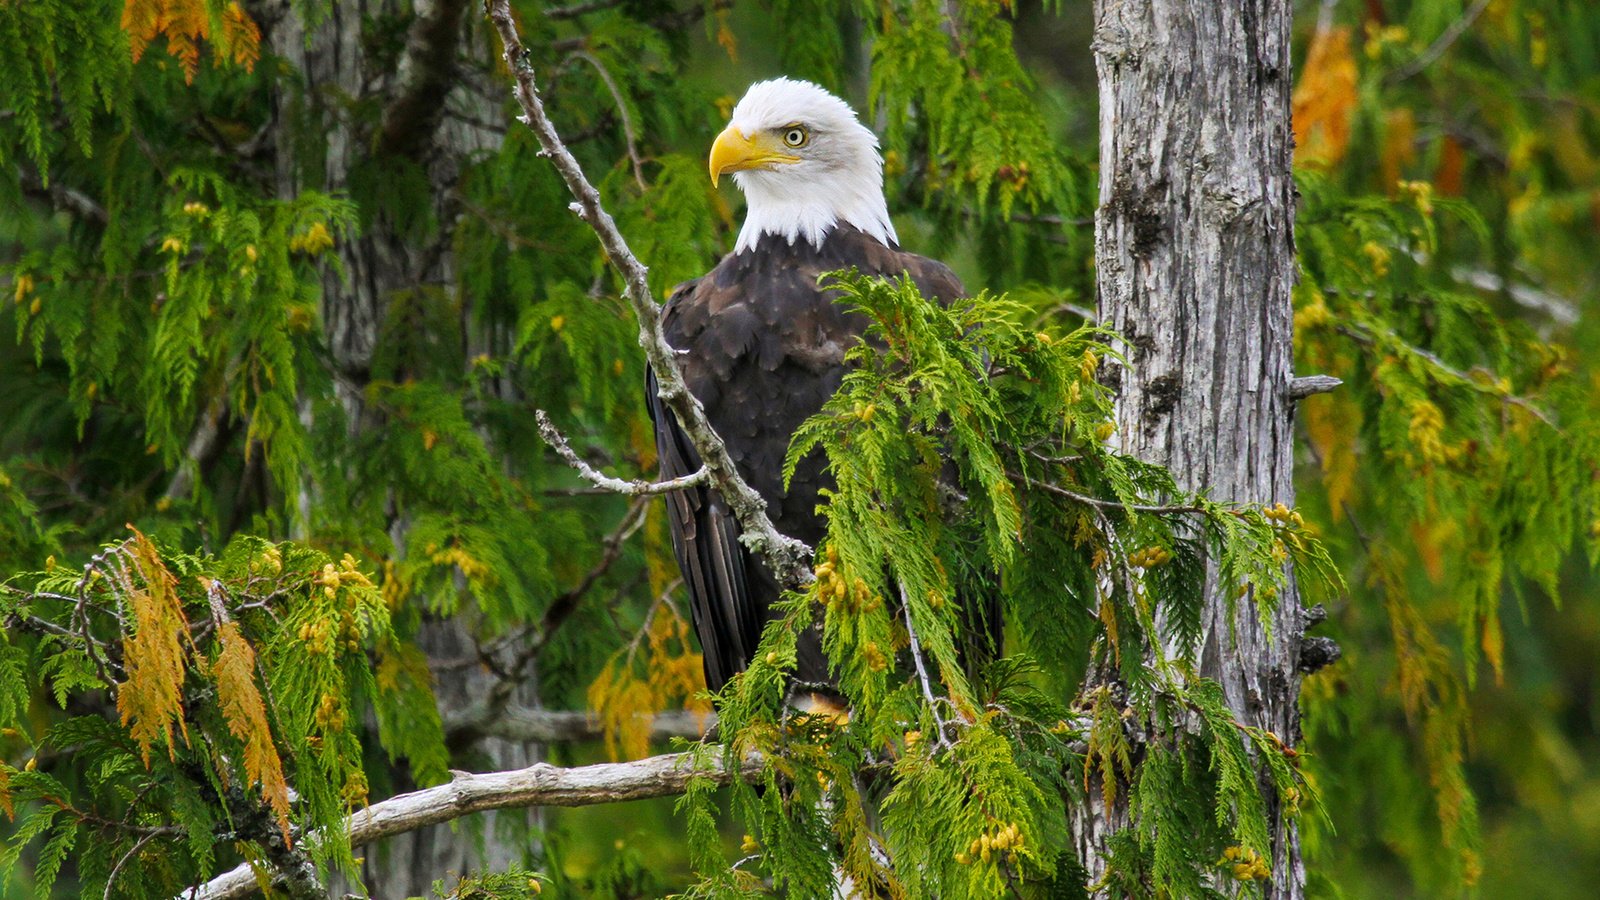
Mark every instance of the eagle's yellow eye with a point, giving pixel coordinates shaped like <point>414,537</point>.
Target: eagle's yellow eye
<point>796,136</point>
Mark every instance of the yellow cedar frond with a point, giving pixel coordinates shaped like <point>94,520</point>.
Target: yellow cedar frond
<point>187,49</point>
<point>1493,642</point>
<point>1107,752</point>
<point>5,792</point>
<point>1399,144</point>
<point>151,698</point>
<point>246,714</point>
<point>660,564</point>
<point>1325,99</point>
<point>1333,424</point>
<point>399,664</point>
<point>1435,539</point>
<point>624,704</point>
<point>142,19</point>
<point>1108,618</point>
<point>659,672</point>
<point>241,38</point>
<point>185,23</point>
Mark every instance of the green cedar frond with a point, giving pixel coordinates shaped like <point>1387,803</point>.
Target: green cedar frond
<point>969,457</point>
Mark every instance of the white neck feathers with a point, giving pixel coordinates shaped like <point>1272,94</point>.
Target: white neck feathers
<point>799,210</point>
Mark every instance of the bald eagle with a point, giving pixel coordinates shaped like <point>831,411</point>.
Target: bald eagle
<point>762,348</point>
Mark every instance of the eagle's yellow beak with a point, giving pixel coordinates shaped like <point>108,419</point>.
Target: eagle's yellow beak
<point>733,152</point>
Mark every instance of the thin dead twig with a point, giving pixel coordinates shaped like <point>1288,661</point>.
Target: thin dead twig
<point>629,135</point>
<point>1435,50</point>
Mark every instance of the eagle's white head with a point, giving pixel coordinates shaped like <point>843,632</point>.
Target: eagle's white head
<point>805,165</point>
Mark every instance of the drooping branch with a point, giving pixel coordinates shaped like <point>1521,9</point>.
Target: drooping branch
<point>540,784</point>
<point>210,432</point>
<point>785,556</point>
<point>476,720</point>
<point>1562,310</point>
<point>562,607</point>
<point>629,134</point>
<point>64,198</point>
<point>1386,339</point>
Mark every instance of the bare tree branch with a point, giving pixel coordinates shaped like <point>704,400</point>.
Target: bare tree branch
<point>476,720</point>
<point>941,727</point>
<point>203,443</point>
<point>1435,50</point>
<point>1307,385</point>
<point>540,784</point>
<point>562,607</point>
<point>580,9</point>
<point>558,726</point>
<point>785,556</point>
<point>1560,309</point>
<point>629,134</point>
<point>670,21</point>
<point>558,442</point>
<point>133,851</point>
<point>1157,509</point>
<point>64,198</point>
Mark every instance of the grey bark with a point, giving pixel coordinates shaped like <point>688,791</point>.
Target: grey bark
<point>1195,251</point>
<point>321,140</point>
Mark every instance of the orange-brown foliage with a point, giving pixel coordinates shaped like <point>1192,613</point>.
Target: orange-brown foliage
<point>151,699</point>
<point>246,714</point>
<point>1324,99</point>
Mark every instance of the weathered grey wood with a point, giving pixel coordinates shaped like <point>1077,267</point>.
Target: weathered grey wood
<point>1310,385</point>
<point>1195,249</point>
<point>540,784</point>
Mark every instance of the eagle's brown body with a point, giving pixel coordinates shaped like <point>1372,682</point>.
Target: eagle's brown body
<point>764,349</point>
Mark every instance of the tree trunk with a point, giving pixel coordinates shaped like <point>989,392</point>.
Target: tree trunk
<point>321,141</point>
<point>1195,252</point>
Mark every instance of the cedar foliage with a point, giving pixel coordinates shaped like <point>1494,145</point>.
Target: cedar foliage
<point>279,635</point>
<point>164,697</point>
<point>1441,277</point>
<point>976,767</point>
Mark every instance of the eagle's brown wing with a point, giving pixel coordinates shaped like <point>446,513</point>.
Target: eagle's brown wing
<point>705,539</point>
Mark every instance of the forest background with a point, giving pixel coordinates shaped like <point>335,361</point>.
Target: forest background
<point>188,184</point>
